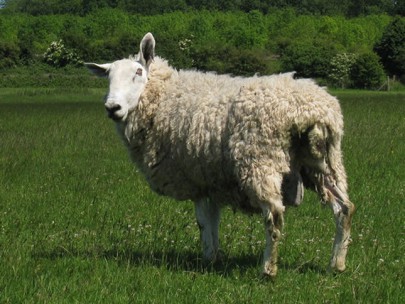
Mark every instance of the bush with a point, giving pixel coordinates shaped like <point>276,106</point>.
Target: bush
<point>367,72</point>
<point>340,70</point>
<point>9,55</point>
<point>45,76</point>
<point>238,62</point>
<point>308,59</point>
<point>58,55</point>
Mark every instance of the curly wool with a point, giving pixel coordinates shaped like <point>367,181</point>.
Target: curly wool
<point>196,135</point>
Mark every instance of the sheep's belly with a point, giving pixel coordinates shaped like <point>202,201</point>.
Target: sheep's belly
<point>170,185</point>
<point>193,185</point>
<point>189,181</point>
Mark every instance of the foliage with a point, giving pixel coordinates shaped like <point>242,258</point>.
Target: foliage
<point>230,60</point>
<point>348,8</point>
<point>42,75</point>
<point>391,47</point>
<point>9,55</point>
<point>59,56</point>
<point>367,72</point>
<point>227,42</point>
<point>308,58</point>
<point>340,68</point>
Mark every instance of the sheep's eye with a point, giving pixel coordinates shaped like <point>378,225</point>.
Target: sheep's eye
<point>138,73</point>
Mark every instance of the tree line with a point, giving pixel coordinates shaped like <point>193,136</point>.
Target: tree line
<point>348,8</point>
<point>341,52</point>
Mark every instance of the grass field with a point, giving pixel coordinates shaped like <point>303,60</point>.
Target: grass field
<point>79,225</point>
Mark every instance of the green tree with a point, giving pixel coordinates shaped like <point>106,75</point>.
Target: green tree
<point>26,40</point>
<point>151,7</point>
<point>391,47</point>
<point>92,5</point>
<point>308,58</point>
<point>400,8</point>
<point>40,7</point>
<point>367,72</point>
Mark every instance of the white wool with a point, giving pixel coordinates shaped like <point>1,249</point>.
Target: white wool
<point>229,138</point>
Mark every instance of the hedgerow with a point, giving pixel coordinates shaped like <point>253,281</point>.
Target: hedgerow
<point>226,42</point>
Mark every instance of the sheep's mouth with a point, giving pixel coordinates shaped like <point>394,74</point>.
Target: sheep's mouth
<point>116,115</point>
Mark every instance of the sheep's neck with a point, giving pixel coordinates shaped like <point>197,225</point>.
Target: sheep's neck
<point>141,120</point>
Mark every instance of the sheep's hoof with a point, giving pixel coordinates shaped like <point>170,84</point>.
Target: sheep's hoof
<point>216,258</point>
<point>270,271</point>
<point>219,257</point>
<point>336,269</point>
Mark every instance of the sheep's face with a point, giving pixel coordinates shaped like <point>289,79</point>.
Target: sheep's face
<point>128,78</point>
<point>127,81</point>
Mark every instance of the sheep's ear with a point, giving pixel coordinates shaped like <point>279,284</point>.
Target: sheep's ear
<point>100,70</point>
<point>147,50</point>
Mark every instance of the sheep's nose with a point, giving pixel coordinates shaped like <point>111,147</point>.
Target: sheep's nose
<point>112,110</point>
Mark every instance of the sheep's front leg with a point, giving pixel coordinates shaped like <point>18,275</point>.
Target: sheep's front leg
<point>343,211</point>
<point>208,215</point>
<point>273,222</point>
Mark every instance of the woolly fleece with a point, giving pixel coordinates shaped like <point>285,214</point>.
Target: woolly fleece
<point>196,135</point>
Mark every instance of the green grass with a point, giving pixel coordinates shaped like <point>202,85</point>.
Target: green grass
<point>78,223</point>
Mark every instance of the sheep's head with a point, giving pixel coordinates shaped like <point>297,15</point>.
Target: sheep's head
<point>127,78</point>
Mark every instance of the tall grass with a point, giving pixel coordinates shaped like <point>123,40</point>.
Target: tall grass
<point>79,224</point>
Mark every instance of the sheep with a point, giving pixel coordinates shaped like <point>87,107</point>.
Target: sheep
<point>252,143</point>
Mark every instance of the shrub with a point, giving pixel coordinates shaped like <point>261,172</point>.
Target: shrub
<point>340,69</point>
<point>308,58</point>
<point>9,54</point>
<point>58,55</point>
<point>367,72</point>
<point>45,76</point>
<point>230,60</point>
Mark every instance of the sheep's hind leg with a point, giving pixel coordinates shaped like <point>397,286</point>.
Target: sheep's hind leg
<point>208,215</point>
<point>343,211</point>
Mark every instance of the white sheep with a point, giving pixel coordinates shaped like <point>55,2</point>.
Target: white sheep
<point>252,143</point>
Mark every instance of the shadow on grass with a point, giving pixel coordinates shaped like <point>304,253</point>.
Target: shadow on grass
<point>184,261</point>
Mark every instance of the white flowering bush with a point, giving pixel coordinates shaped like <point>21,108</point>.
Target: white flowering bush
<point>58,55</point>
<point>340,69</point>
<point>186,44</point>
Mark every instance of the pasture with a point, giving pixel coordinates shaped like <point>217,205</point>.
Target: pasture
<point>79,225</point>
